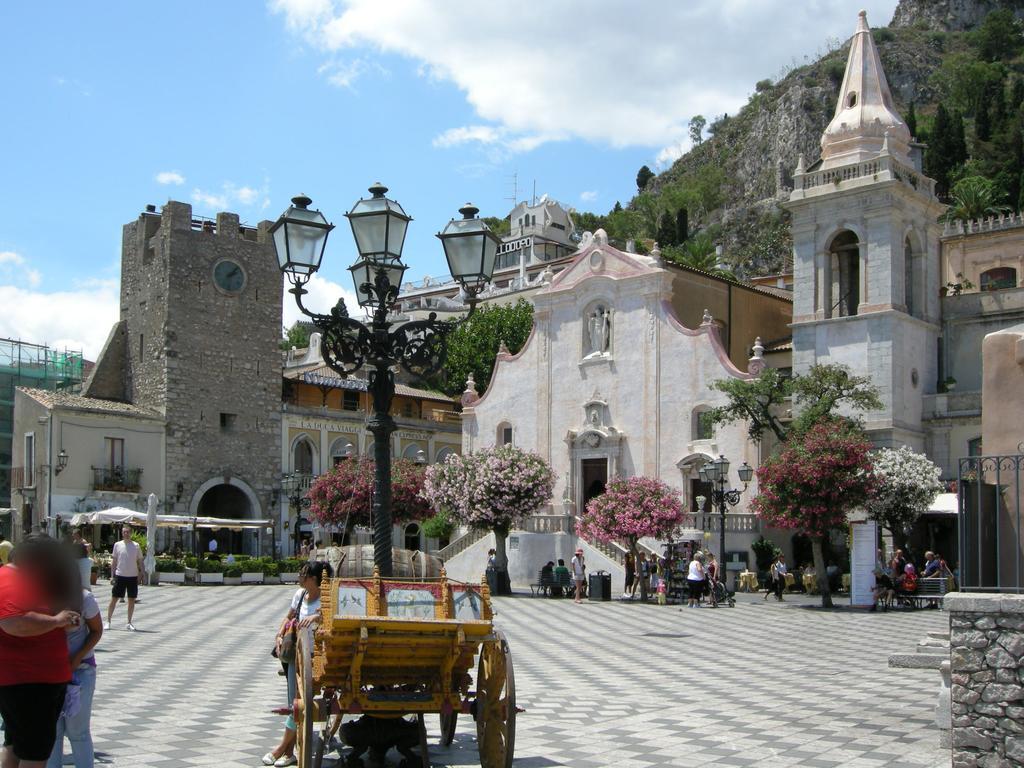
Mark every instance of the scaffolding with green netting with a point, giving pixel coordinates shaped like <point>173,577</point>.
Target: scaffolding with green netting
<point>29,365</point>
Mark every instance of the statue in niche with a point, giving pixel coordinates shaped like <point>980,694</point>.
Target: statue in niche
<point>599,327</point>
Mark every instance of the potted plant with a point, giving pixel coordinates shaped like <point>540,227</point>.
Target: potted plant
<point>170,571</point>
<point>288,569</point>
<point>233,575</point>
<point>252,570</point>
<point>210,572</point>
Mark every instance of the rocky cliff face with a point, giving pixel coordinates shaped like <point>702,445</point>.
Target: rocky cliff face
<point>787,119</point>
<point>948,15</point>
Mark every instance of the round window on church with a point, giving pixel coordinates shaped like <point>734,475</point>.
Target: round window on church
<point>229,276</point>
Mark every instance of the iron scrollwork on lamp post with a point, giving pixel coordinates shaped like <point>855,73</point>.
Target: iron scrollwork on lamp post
<point>347,345</point>
<point>716,473</point>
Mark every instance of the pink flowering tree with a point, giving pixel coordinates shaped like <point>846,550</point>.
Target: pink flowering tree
<point>813,482</point>
<point>343,494</point>
<point>493,488</point>
<point>631,508</point>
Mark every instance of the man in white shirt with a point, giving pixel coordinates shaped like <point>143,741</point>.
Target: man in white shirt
<point>579,571</point>
<point>125,567</point>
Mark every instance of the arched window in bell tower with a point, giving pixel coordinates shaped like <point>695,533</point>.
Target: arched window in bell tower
<point>844,251</point>
<point>908,277</point>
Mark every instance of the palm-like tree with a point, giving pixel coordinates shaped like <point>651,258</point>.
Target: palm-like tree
<point>699,253</point>
<point>974,197</point>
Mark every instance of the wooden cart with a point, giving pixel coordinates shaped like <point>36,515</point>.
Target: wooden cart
<point>393,648</point>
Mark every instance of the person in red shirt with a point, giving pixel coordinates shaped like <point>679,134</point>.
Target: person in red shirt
<point>38,594</point>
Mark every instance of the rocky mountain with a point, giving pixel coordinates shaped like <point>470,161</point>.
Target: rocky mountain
<point>732,182</point>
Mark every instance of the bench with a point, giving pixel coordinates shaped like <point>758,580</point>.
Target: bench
<point>930,591</point>
<point>545,581</point>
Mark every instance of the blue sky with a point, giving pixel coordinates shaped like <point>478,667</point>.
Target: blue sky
<point>241,105</point>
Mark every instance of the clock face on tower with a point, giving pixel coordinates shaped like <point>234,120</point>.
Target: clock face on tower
<point>229,276</point>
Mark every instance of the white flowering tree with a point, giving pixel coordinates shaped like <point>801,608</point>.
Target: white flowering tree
<point>907,484</point>
<point>493,488</point>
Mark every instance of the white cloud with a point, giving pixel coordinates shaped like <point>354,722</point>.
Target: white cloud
<point>170,177</point>
<point>232,196</point>
<point>14,270</point>
<point>668,155</point>
<point>78,319</point>
<point>589,196</point>
<point>620,74</point>
<point>323,295</point>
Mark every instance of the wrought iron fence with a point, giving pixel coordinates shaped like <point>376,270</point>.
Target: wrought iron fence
<point>990,527</point>
<point>124,479</point>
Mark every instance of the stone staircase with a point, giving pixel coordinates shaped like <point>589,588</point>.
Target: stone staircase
<point>461,544</point>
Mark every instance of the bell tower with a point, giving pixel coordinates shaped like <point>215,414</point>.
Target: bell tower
<point>866,251</point>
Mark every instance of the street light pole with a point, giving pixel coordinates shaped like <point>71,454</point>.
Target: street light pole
<point>716,472</point>
<point>348,345</point>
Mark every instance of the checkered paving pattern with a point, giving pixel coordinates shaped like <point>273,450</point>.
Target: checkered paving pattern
<point>603,684</point>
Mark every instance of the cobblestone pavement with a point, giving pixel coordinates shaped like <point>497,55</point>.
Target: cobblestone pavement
<point>603,684</point>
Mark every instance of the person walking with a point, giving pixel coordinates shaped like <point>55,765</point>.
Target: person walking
<point>81,639</point>
<point>695,580</point>
<point>630,566</point>
<point>39,597</point>
<point>82,550</point>
<point>778,577</point>
<point>125,567</point>
<point>643,577</point>
<point>303,611</point>
<point>579,573</point>
<point>712,572</point>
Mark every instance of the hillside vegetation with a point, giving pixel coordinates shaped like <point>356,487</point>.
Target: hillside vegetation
<point>957,77</point>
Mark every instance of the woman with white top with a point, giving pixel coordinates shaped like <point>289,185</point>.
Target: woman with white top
<point>303,612</point>
<point>695,581</point>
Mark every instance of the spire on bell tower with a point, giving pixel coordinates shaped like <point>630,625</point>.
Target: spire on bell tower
<point>864,113</point>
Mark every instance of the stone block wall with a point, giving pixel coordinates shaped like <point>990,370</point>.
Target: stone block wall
<point>986,643</point>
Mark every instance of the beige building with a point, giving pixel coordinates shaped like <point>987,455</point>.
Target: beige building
<point>80,454</point>
<point>323,422</point>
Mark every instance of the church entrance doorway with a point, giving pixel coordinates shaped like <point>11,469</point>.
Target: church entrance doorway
<point>594,476</point>
<point>231,502</point>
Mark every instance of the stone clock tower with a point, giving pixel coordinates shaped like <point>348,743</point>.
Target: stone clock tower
<point>866,251</point>
<point>198,342</point>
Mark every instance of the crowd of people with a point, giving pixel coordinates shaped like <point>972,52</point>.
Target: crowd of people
<point>896,578</point>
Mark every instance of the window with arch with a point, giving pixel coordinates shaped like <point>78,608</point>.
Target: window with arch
<point>302,457</point>
<point>844,252</point>
<point>703,427</point>
<point>851,100</point>
<point>504,434</point>
<point>412,536</point>
<point>443,454</point>
<point>909,271</point>
<point>413,452</point>
<point>342,450</point>
<point>974,447</point>
<point>998,278</point>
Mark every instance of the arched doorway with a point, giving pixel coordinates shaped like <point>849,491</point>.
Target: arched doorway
<point>303,457</point>
<point>412,536</point>
<point>844,251</point>
<point>233,499</point>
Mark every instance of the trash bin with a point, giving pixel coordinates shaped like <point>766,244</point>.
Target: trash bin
<point>600,586</point>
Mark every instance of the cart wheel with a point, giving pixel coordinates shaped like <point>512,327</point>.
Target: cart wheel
<point>495,704</point>
<point>305,745</point>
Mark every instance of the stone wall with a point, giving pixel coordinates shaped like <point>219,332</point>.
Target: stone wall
<point>986,643</point>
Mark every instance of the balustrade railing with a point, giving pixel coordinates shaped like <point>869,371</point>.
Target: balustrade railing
<point>123,479</point>
<point>885,164</point>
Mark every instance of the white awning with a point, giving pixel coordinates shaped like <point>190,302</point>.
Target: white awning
<point>7,511</point>
<point>122,515</point>
<point>944,504</point>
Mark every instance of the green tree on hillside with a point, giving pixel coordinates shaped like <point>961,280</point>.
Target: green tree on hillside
<point>946,149</point>
<point>1000,36</point>
<point>974,197</point>
<point>473,346</point>
<point>911,120</point>
<point>666,234</point>
<point>697,123</point>
<point>643,178</point>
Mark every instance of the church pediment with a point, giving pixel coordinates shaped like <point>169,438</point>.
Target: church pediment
<point>598,259</point>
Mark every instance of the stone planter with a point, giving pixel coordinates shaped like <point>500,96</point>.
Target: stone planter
<point>210,578</point>
<point>170,578</point>
<point>289,578</point>
<point>252,578</point>
<point>271,579</point>
<point>231,581</point>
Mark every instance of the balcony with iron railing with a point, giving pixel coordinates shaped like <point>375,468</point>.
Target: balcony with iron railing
<point>119,479</point>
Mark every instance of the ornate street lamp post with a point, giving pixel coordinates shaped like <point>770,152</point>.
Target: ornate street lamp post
<point>379,226</point>
<point>716,472</point>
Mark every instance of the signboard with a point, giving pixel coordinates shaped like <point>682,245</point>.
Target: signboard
<point>862,562</point>
<point>515,245</point>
